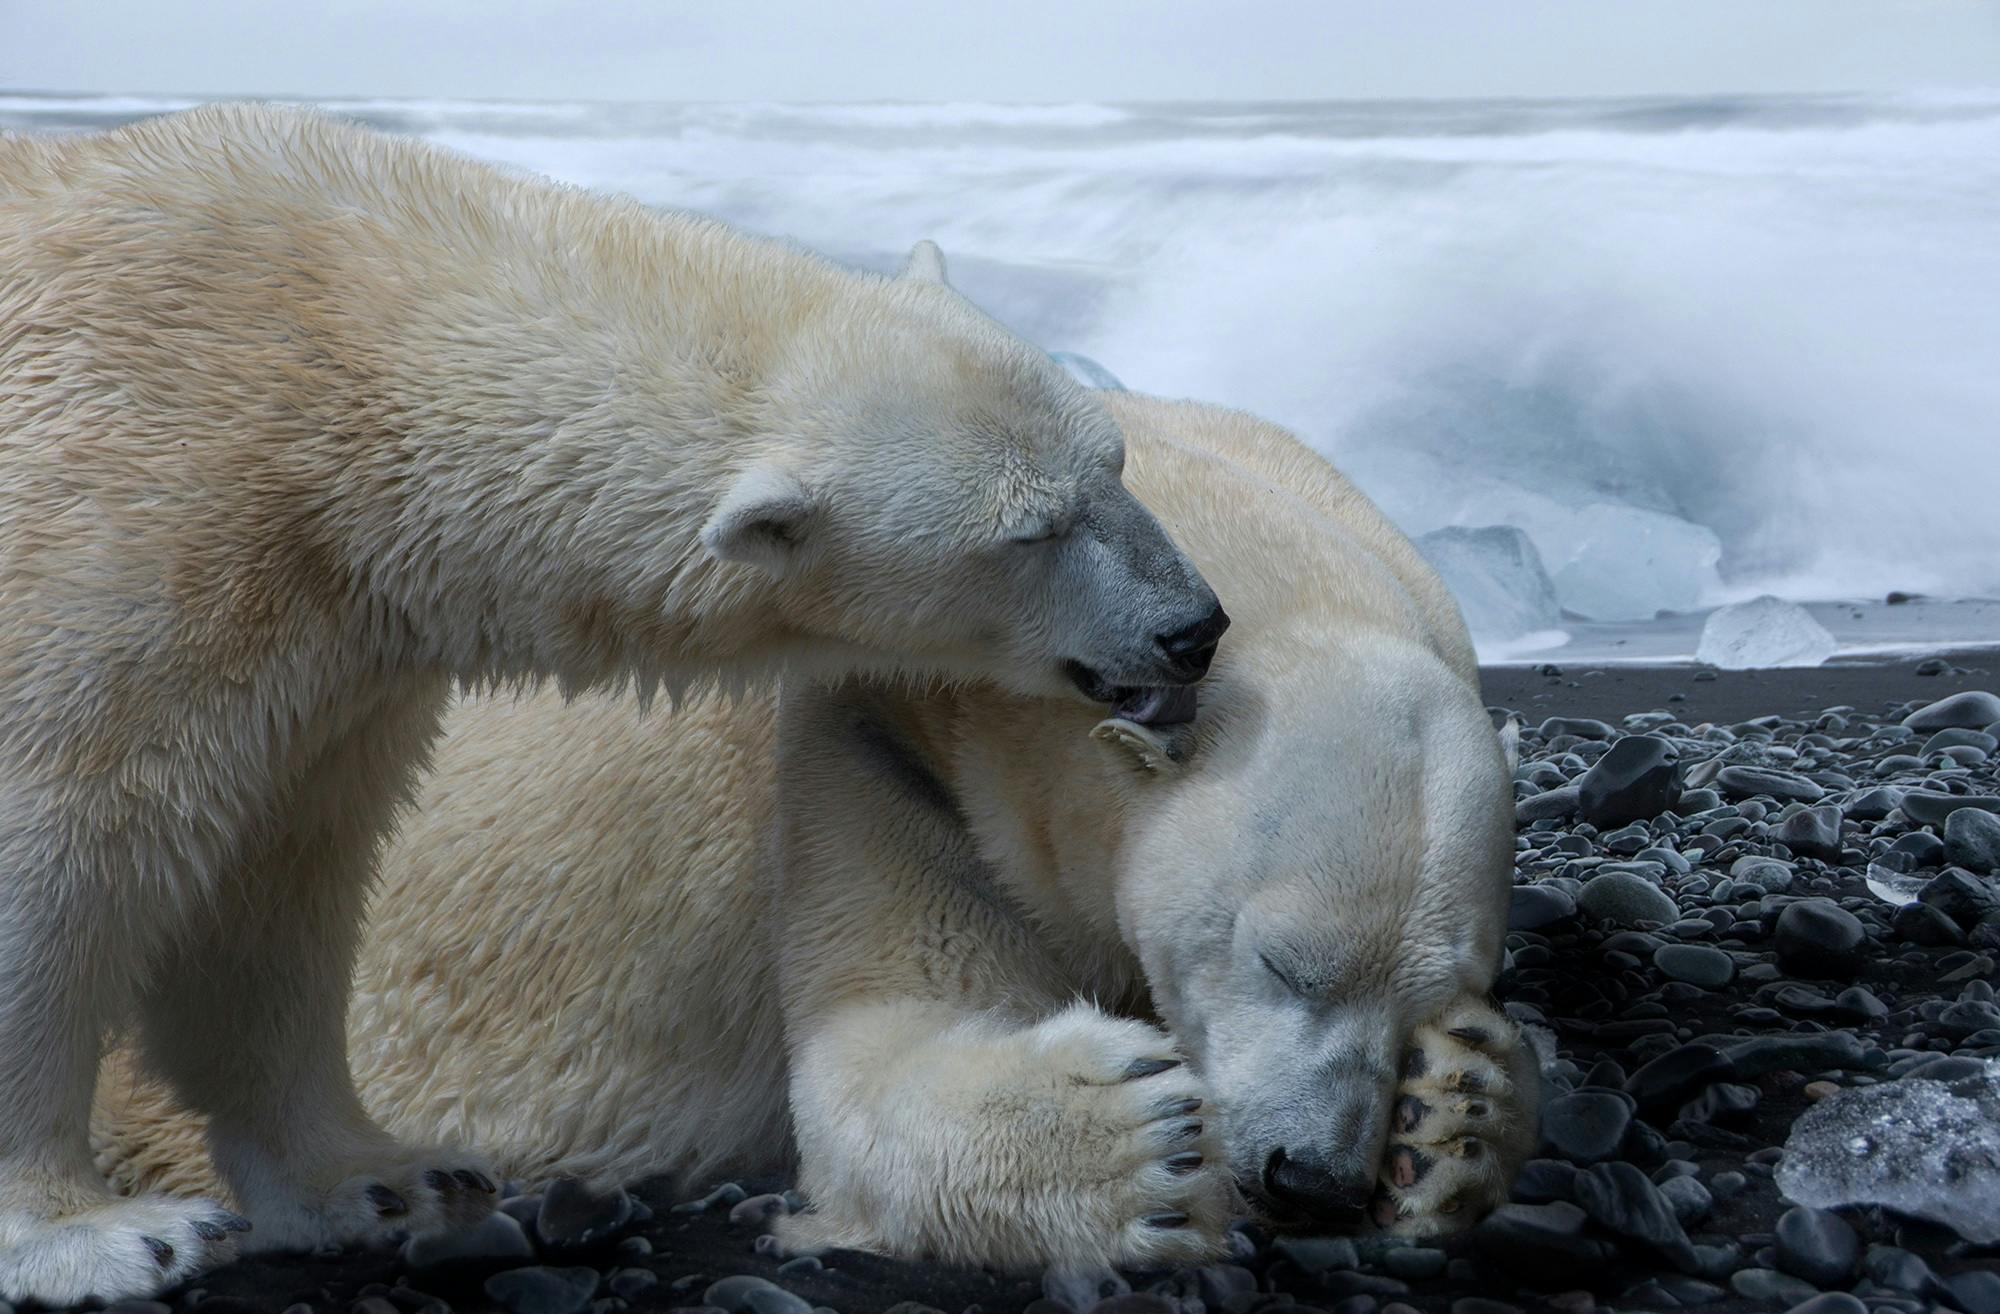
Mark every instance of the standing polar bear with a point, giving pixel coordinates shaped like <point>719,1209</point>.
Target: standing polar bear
<point>299,424</point>
<point>851,928</point>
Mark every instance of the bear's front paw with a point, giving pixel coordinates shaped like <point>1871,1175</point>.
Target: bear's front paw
<point>1131,1146</point>
<point>1461,1125</point>
<point>128,1248</point>
<point>1080,1142</point>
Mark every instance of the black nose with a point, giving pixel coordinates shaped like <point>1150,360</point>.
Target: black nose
<point>1192,647</point>
<point>1309,1184</point>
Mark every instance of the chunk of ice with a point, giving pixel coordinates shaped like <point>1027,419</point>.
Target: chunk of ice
<point>1497,577</point>
<point>1762,633</point>
<point>1929,1149</point>
<point>1621,563</point>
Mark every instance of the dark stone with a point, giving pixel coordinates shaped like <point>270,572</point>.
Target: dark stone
<point>1961,896</point>
<point>1528,1239</point>
<point>1874,804</point>
<point>1587,1126</point>
<point>1972,840</point>
<point>1831,1302</point>
<point>1812,833</point>
<point>1669,1080</point>
<point>745,1294</point>
<point>574,1217</point>
<point>1696,964</point>
<point>494,1239</point>
<point>1532,907</point>
<point>1622,1199</point>
<point>1819,938</point>
<point>1976,1291</point>
<point>1725,1104</point>
<point>1543,1180</point>
<point>1620,898</point>
<point>1818,1246</point>
<point>1928,807</point>
<point>1970,710</point>
<point>1757,1055</point>
<point>1749,782</point>
<point>1636,781</point>
<point>1920,923</point>
<point>546,1290</point>
<point>1549,805</point>
<point>1584,728</point>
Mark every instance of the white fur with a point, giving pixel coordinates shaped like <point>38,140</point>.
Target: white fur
<point>299,423</point>
<point>914,943</point>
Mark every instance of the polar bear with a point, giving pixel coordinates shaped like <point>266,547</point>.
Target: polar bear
<point>297,425</point>
<point>1007,981</point>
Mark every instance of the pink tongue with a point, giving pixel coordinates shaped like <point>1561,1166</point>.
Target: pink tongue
<point>1157,706</point>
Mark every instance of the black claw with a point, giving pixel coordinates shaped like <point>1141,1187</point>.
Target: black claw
<point>1477,1109</point>
<point>163,1254</point>
<point>1165,1220</point>
<point>387,1202</point>
<point>1139,1068</point>
<point>440,1180</point>
<point>474,1181</point>
<point>1410,1113</point>
<point>1175,1108</point>
<point>1185,1131</point>
<point>1416,1063</point>
<point>229,1222</point>
<point>1180,1165</point>
<point>1478,1037</point>
<point>208,1229</point>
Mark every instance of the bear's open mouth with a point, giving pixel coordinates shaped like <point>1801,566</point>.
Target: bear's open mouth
<point>1156,704</point>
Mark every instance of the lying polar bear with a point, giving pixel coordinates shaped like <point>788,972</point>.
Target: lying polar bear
<point>923,946</point>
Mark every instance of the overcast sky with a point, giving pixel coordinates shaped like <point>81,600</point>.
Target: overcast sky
<point>995,49</point>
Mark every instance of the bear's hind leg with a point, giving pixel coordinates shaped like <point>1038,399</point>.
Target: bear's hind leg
<point>64,1237</point>
<point>249,1024</point>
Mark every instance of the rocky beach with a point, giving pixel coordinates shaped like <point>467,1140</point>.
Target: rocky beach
<point>1754,932</point>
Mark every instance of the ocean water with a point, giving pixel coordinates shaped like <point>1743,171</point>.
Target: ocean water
<point>1698,350</point>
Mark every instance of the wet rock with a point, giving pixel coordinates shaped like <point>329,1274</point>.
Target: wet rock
<point>1587,1126</point>
<point>1971,710</point>
<point>1819,938</point>
<point>1818,1246</point>
<point>575,1217</point>
<point>1621,1199</point>
<point>1528,1239</point>
<point>1620,898</point>
<point>1972,840</point>
<point>746,1294</point>
<point>1636,781</point>
<point>1812,833</point>
<point>494,1239</point>
<point>1695,964</point>
<point>1532,907</point>
<point>544,1290</point>
<point>1751,782</point>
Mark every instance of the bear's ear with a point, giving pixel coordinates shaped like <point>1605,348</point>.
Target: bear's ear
<point>926,264</point>
<point>1150,750</point>
<point>761,521</point>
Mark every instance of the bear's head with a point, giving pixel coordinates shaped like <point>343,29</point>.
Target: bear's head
<point>1316,869</point>
<point>933,495</point>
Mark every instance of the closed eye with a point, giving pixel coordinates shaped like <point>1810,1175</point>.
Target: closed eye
<point>1284,978</point>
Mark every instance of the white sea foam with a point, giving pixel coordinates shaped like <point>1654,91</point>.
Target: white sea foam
<point>1697,350</point>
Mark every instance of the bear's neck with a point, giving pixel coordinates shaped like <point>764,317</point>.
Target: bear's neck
<point>521,480</point>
